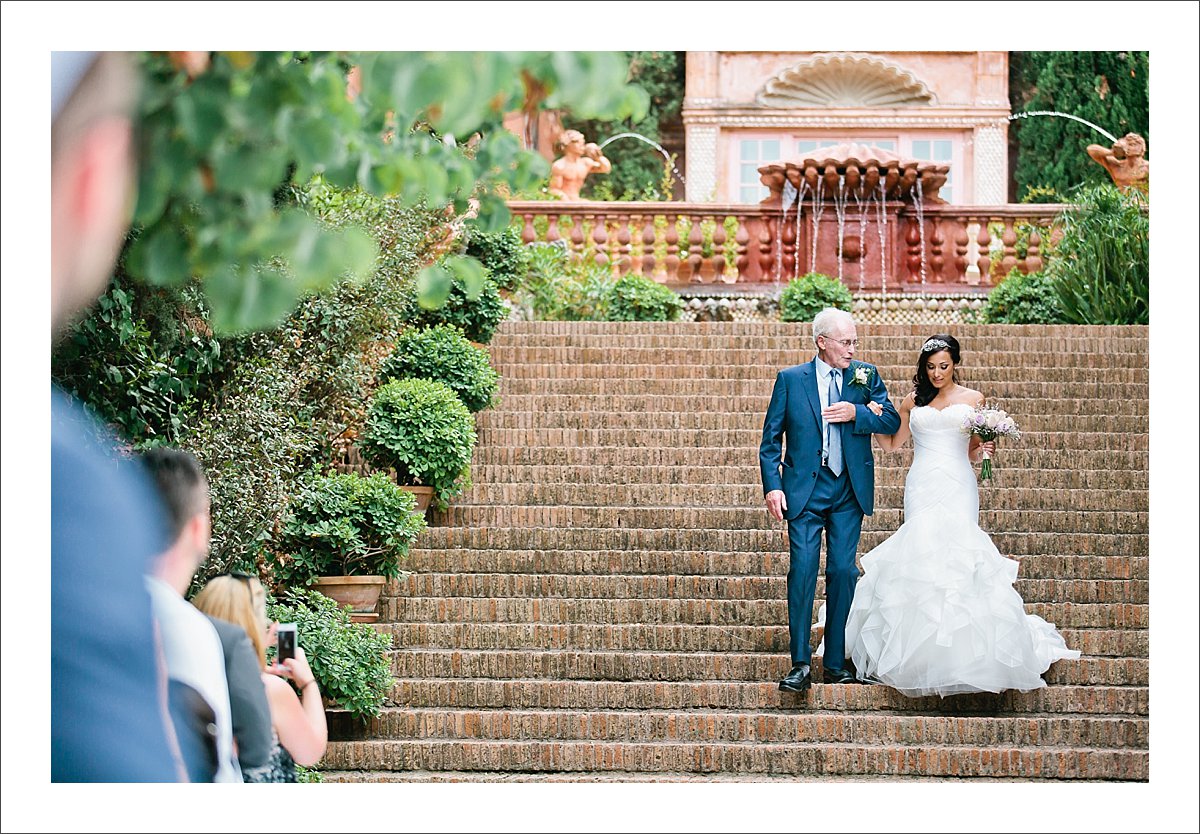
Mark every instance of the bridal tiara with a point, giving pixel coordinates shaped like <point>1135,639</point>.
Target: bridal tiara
<point>932,344</point>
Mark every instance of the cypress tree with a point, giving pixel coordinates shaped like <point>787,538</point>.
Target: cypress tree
<point>1110,89</point>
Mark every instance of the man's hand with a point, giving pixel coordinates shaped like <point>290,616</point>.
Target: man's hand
<point>776,504</point>
<point>842,412</point>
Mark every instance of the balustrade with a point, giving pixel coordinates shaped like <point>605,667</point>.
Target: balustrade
<point>713,243</point>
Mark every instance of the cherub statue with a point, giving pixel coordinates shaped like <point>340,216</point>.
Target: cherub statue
<point>577,161</point>
<point>1124,161</point>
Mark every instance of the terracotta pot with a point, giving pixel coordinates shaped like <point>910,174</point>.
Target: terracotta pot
<point>361,593</point>
<point>423,494</point>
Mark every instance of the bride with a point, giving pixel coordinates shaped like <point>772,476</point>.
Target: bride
<point>935,612</point>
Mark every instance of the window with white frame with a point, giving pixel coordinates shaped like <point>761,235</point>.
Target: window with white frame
<point>941,150</point>
<point>752,155</point>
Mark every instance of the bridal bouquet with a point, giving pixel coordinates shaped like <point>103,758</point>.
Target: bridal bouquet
<point>988,424</point>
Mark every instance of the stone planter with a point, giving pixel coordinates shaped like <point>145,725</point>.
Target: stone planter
<point>361,593</point>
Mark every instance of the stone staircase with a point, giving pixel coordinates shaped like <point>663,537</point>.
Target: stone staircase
<point>607,603</point>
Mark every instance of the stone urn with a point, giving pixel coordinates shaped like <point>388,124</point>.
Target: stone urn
<point>423,494</point>
<point>361,593</point>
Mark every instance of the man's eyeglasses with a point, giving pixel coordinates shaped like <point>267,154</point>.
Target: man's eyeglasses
<point>843,342</point>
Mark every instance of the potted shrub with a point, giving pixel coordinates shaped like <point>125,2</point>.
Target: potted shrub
<point>349,660</point>
<point>420,428</point>
<point>345,534</point>
<point>443,353</point>
<point>809,294</point>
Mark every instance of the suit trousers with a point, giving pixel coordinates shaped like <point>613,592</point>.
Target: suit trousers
<point>833,508</point>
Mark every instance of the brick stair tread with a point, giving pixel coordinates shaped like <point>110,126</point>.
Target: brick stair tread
<point>726,726</point>
<point>814,757</point>
<point>524,693</point>
<point>463,560</point>
<point>470,776</point>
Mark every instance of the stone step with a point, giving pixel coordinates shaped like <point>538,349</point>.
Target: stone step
<point>629,587</point>
<point>679,638</point>
<point>1063,614</point>
<point>896,377</point>
<point>1005,392</point>
<point>461,776</point>
<point>800,758</point>
<point>756,518</point>
<point>414,663</point>
<point>595,544</point>
<point>705,563</point>
<point>1016,456</point>
<point>704,495</point>
<point>450,693</point>
<point>746,441</point>
<point>891,359</point>
<point>833,727</point>
<point>1016,475</point>
<point>711,421</point>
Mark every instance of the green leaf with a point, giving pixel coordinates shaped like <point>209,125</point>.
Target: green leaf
<point>433,287</point>
<point>244,300</point>
<point>470,272</point>
<point>160,256</point>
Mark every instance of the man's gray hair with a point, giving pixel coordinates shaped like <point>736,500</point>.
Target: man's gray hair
<point>828,319</point>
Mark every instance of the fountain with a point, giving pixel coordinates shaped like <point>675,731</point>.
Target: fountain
<point>652,143</point>
<point>852,178</point>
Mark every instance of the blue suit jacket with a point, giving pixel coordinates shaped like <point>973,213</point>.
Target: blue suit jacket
<point>795,414</point>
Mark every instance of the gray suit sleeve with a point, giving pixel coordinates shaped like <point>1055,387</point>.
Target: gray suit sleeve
<point>247,699</point>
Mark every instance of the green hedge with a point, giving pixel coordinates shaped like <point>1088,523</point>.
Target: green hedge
<point>638,298</point>
<point>443,354</point>
<point>421,428</point>
<point>809,294</point>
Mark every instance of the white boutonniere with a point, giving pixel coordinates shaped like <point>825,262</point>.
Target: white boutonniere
<point>861,376</point>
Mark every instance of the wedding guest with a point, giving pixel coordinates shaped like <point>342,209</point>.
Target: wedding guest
<point>191,646</point>
<point>298,720</point>
<point>108,709</point>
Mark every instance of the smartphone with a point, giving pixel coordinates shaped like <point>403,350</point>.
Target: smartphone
<point>285,641</point>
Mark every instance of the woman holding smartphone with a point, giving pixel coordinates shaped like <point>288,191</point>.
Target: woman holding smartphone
<point>298,720</point>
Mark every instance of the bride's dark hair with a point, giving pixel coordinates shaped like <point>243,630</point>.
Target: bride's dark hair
<point>923,389</point>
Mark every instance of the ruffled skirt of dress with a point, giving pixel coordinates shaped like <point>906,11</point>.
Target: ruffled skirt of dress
<point>935,613</point>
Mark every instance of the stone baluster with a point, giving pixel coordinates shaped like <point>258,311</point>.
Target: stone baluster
<point>695,248</point>
<point>912,260</point>
<point>552,233</point>
<point>600,238</point>
<point>985,253</point>
<point>624,252</point>
<point>649,234</point>
<point>791,255</point>
<point>766,254</point>
<point>672,259</point>
<point>1033,258</point>
<point>741,240</point>
<point>937,260</point>
<point>528,232</point>
<point>578,241</point>
<point>961,248</point>
<point>718,256</point>
<point>1010,247</point>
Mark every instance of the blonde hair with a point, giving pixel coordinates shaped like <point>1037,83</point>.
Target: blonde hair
<point>240,600</point>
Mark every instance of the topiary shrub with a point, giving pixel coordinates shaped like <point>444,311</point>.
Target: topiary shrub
<point>809,294</point>
<point>1023,299</point>
<point>443,354</point>
<point>421,428</point>
<point>502,253</point>
<point>477,318</point>
<point>345,525</point>
<point>1101,266</point>
<point>638,298</point>
<point>349,660</point>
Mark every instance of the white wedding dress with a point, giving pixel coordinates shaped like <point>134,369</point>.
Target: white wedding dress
<point>935,612</point>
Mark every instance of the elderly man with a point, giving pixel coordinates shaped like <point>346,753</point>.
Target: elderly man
<point>824,481</point>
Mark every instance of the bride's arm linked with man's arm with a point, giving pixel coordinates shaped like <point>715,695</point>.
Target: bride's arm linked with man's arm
<point>890,442</point>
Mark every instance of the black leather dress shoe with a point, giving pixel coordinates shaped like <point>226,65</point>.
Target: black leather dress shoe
<point>797,680</point>
<point>838,676</point>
